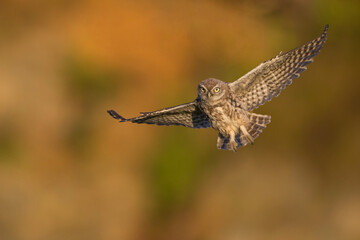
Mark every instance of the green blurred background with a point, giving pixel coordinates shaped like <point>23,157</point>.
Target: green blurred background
<point>69,171</point>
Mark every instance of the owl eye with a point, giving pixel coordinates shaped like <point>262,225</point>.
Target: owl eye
<point>202,89</point>
<point>216,89</point>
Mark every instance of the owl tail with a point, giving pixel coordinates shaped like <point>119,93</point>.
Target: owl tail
<point>257,123</point>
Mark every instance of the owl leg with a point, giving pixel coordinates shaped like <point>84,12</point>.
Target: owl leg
<point>247,136</point>
<point>233,143</point>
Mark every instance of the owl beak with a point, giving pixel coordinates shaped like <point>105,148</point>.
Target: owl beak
<point>209,94</point>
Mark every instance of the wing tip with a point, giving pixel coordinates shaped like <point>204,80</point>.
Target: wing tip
<point>324,34</point>
<point>326,27</point>
<point>115,115</point>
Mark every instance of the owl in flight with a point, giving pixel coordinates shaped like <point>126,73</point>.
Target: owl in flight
<point>227,107</point>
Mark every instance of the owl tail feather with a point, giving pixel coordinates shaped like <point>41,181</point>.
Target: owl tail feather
<point>257,123</point>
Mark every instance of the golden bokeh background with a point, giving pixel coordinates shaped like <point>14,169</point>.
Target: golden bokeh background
<point>69,171</point>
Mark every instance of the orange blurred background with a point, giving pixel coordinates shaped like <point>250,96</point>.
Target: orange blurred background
<point>70,171</point>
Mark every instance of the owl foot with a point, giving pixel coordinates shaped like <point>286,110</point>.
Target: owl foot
<point>247,136</point>
<point>233,146</point>
<point>249,139</point>
<point>233,143</point>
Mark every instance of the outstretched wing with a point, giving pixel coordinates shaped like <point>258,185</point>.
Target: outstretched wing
<point>268,79</point>
<point>188,115</point>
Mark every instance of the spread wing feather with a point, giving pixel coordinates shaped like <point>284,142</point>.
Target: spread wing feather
<point>188,115</point>
<point>268,79</point>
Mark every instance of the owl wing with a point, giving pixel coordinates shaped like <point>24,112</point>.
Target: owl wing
<point>188,115</point>
<point>268,79</point>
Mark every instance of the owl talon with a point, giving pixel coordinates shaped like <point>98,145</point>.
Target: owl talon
<point>247,136</point>
<point>233,146</point>
<point>249,139</point>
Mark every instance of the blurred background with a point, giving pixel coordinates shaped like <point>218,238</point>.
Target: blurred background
<point>70,171</point>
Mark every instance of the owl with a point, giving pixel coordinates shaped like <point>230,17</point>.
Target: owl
<point>227,107</point>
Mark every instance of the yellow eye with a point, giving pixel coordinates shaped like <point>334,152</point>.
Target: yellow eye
<point>202,89</point>
<point>216,89</point>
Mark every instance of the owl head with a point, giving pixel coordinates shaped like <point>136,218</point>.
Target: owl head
<point>212,89</point>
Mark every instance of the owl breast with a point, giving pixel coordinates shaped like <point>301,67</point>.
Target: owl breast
<point>225,116</point>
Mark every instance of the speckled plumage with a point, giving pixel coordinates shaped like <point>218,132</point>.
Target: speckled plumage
<point>226,106</point>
